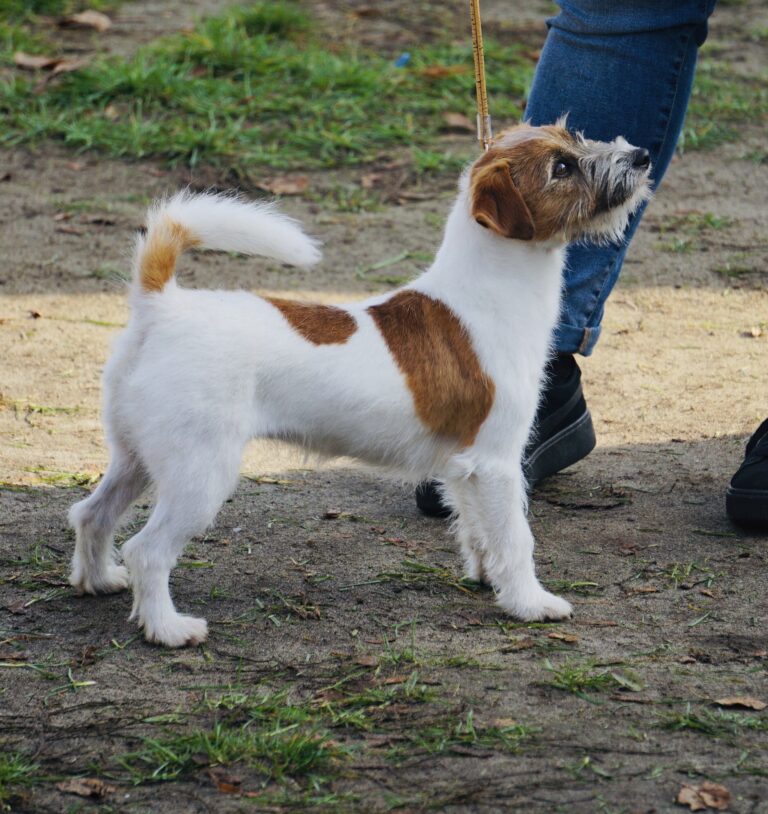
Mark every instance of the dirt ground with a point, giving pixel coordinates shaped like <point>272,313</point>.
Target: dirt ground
<point>313,576</point>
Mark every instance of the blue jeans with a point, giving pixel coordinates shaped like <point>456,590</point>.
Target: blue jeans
<point>618,68</point>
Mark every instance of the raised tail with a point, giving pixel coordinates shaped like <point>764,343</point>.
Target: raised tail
<point>220,222</point>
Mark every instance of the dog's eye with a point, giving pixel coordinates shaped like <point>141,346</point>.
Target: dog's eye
<point>561,169</point>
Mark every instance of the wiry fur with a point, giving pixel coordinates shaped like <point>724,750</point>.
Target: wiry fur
<point>198,373</point>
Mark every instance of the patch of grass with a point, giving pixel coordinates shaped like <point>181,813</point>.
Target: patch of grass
<point>351,706</point>
<point>419,573</point>
<point>722,100</point>
<point>689,575</point>
<point>581,678</point>
<point>276,753</point>
<point>19,28</point>
<point>678,245</point>
<point>66,479</point>
<point>714,723</point>
<point>444,737</point>
<point>267,733</point>
<point>694,223</point>
<point>347,198</point>
<point>112,273</point>
<point>739,265</point>
<point>685,230</point>
<point>16,772</point>
<point>412,264</point>
<point>234,91</point>
<point>579,587</point>
<point>20,10</point>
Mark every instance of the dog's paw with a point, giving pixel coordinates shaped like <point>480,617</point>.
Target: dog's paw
<point>176,630</point>
<point>536,606</point>
<point>107,580</point>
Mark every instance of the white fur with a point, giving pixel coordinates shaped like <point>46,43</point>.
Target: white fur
<point>198,373</point>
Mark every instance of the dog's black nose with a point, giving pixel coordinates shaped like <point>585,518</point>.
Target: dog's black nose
<point>641,159</point>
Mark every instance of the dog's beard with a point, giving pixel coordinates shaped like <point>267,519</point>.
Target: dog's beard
<point>609,225</point>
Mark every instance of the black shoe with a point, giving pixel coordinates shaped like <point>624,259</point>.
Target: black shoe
<point>563,432</point>
<point>746,499</point>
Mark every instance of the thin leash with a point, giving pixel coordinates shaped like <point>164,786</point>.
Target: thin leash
<point>484,128</point>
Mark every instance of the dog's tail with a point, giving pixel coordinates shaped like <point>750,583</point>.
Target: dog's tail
<point>220,222</point>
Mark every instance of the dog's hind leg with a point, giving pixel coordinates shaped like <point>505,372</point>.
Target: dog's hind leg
<point>498,505</point>
<point>94,570</point>
<point>190,491</point>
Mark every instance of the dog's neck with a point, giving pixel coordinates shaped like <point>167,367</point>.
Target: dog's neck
<point>471,255</point>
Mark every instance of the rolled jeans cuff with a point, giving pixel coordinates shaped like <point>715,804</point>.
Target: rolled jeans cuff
<point>575,338</point>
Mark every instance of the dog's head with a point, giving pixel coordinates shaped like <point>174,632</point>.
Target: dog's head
<point>549,184</point>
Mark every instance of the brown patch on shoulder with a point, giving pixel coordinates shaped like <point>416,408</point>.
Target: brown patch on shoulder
<point>163,245</point>
<point>319,324</point>
<point>451,393</point>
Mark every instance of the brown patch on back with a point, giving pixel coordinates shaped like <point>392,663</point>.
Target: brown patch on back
<point>451,393</point>
<point>164,243</point>
<point>319,324</point>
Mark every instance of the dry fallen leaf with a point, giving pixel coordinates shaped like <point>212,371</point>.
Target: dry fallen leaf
<point>570,638</point>
<point>286,185</point>
<point>69,65</point>
<point>744,701</point>
<point>525,643</point>
<point>370,180</point>
<point>458,121</point>
<point>87,19</point>
<point>15,655</point>
<point>367,661</point>
<point>86,787</point>
<point>441,71</point>
<point>33,62</point>
<point>707,795</point>
<point>225,783</point>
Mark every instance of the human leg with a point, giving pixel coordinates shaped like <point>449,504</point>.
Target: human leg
<point>616,68</point>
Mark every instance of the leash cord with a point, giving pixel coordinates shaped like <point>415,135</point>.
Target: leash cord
<point>484,128</point>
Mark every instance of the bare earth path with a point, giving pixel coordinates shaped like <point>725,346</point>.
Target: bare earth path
<point>326,577</point>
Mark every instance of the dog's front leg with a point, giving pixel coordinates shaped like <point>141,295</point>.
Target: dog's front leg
<point>498,505</point>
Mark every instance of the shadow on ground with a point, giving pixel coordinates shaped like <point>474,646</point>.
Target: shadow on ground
<point>329,587</point>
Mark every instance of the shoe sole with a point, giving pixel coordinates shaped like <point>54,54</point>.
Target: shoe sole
<point>747,507</point>
<point>562,450</point>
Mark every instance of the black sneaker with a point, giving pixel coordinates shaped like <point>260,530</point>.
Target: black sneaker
<point>563,432</point>
<point>746,499</point>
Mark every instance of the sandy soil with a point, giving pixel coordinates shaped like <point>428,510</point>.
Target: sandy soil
<point>675,385</point>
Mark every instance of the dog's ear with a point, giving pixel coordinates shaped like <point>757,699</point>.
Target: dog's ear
<point>497,204</point>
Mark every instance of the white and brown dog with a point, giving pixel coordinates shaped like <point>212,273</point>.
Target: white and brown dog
<point>439,379</point>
